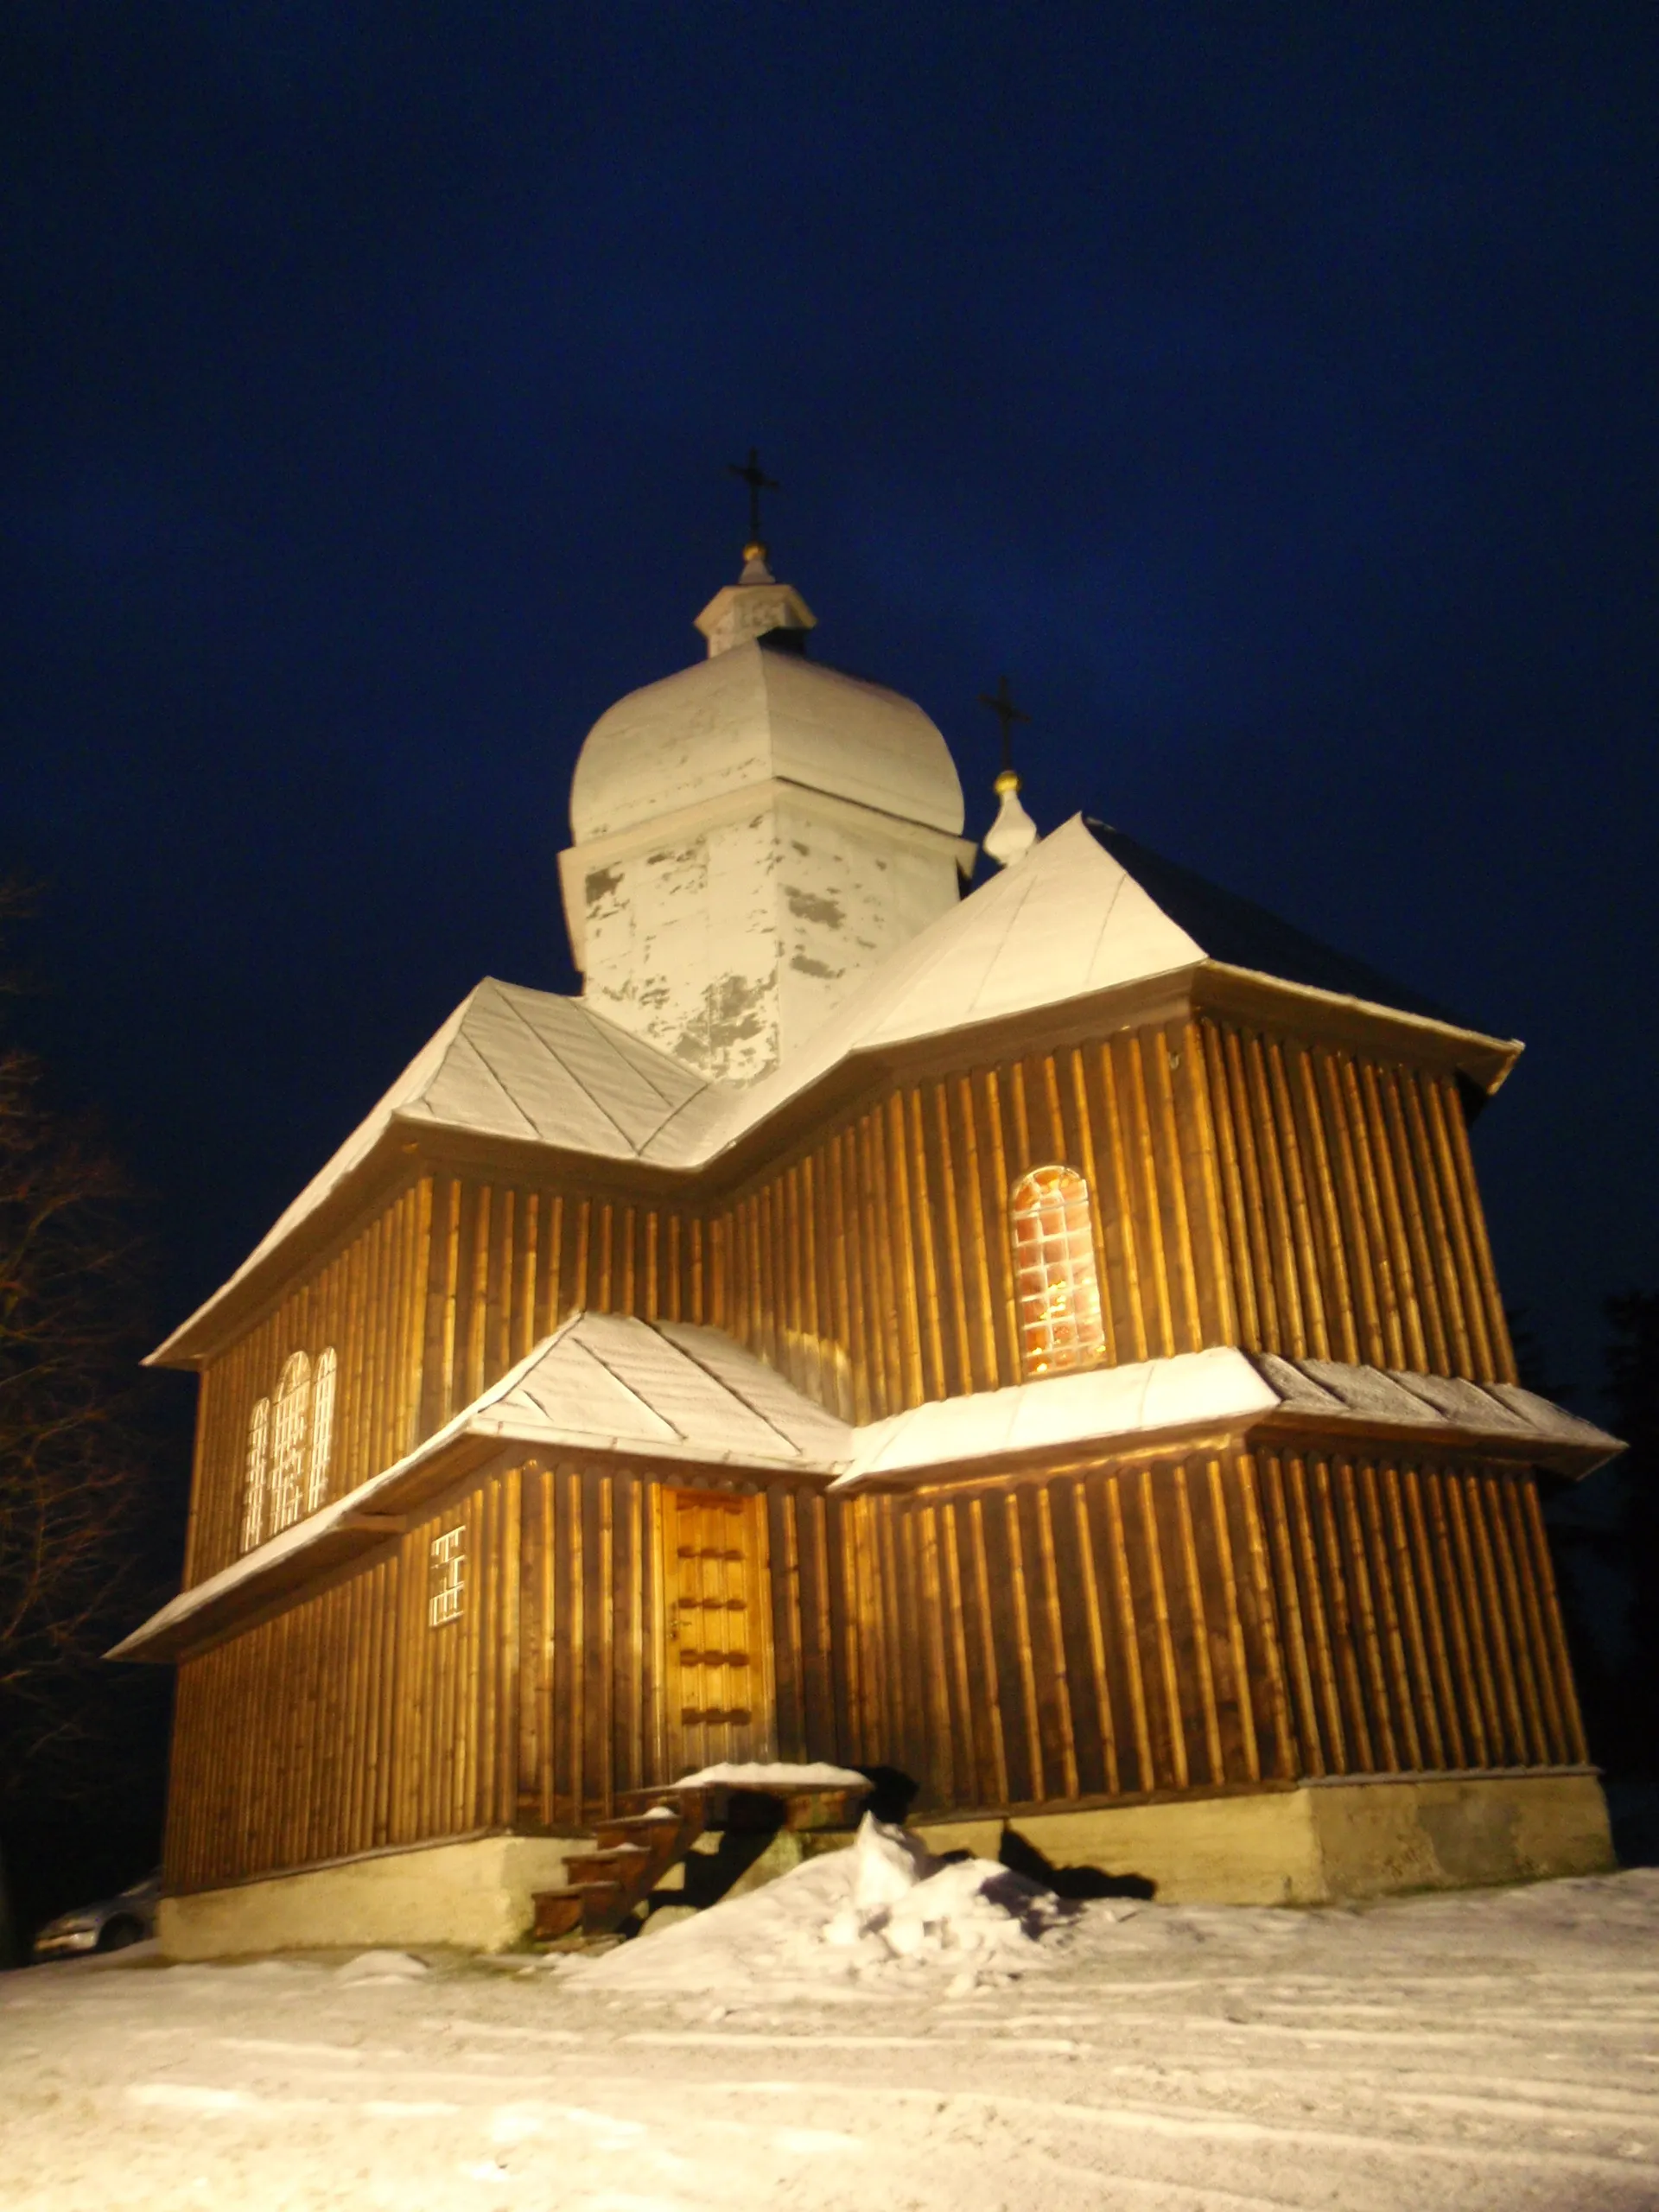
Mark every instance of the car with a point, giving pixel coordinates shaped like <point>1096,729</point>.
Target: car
<point>108,1926</point>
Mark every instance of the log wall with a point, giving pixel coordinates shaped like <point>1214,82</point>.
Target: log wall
<point>1221,1622</point>
<point>1107,1633</point>
<point>1247,1189</point>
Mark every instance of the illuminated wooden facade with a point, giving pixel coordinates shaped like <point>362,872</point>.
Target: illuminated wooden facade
<point>501,1617</point>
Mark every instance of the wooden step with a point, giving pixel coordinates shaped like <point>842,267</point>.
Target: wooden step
<point>619,1863</point>
<point>558,1912</point>
<point>602,1885</point>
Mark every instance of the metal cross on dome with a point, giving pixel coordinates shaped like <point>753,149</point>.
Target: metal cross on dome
<point>754,476</point>
<point>1001,702</point>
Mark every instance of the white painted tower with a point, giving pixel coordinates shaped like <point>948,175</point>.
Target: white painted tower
<point>751,837</point>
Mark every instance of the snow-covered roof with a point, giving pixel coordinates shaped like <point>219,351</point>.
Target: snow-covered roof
<point>1071,920</point>
<point>667,1391</point>
<point>510,1063</point>
<point>665,1387</point>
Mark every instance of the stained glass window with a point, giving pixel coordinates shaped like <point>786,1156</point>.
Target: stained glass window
<point>1056,1289</point>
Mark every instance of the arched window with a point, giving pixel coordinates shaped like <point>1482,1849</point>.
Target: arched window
<point>322,1429</point>
<point>253,1496</point>
<point>1056,1288</point>
<point>288,1441</point>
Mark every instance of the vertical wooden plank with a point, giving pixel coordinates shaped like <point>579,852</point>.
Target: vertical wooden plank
<point>1197,1617</point>
<point>1413,1090</point>
<point>1065,1688</point>
<point>921,1213</point>
<point>1187,1331</point>
<point>1488,1331</point>
<point>1278,1180</point>
<point>1371,1112</point>
<point>1280,1625</point>
<point>970,1194</point>
<point>1160,1320</point>
<point>992,1672</point>
<point>959,1371</point>
<point>1520,1639</point>
<point>1426,1738</point>
<point>1199,1166</point>
<point>904,1229</point>
<point>1337,1296</point>
<point>1228,1582</point>
<point>1512,1492</point>
<point>996,1212</point>
<point>1389,1285</point>
<point>1256,1246</point>
<point>1094,1618</point>
<point>1405,1175</point>
<point>1333,1731</point>
<point>1501,1645</point>
<point>1151,1550</point>
<point>1554,1632</point>
<point>1457,1583</point>
<point>1111,1308</point>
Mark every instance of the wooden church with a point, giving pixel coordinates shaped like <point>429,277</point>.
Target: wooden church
<point>1041,1339</point>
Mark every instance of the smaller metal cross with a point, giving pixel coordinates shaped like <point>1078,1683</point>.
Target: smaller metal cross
<point>754,476</point>
<point>1001,702</point>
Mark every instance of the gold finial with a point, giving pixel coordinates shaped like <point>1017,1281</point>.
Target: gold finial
<point>1013,833</point>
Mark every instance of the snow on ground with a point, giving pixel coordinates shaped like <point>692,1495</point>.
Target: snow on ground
<point>883,1910</point>
<point>1488,2052</point>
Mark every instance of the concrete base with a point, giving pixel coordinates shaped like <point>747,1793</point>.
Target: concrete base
<point>1323,1842</point>
<point>1318,1843</point>
<point>475,1895</point>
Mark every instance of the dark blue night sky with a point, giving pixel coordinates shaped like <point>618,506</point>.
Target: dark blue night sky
<point>1270,392</point>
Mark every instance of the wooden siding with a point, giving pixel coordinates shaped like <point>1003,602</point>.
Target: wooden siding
<point>1212,1623</point>
<point>1107,1633</point>
<point>347,1724</point>
<point>1247,1189</point>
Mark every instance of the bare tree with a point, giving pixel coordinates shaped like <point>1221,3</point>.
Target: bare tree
<point>72,1461</point>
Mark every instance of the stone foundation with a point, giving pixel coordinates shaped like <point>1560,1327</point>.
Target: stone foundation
<point>1319,1843</point>
<point>475,1895</point>
<point>1324,1842</point>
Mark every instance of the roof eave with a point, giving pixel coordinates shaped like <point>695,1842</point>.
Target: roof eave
<point>1219,987</point>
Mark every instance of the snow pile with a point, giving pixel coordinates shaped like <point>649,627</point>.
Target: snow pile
<point>905,1905</point>
<point>370,1966</point>
<point>755,1775</point>
<point>847,1916</point>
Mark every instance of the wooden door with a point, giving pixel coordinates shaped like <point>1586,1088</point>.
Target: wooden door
<point>718,1674</point>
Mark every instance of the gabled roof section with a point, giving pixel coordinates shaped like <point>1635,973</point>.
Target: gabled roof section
<point>508,1063</point>
<point>534,1064</point>
<point>664,1388</point>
